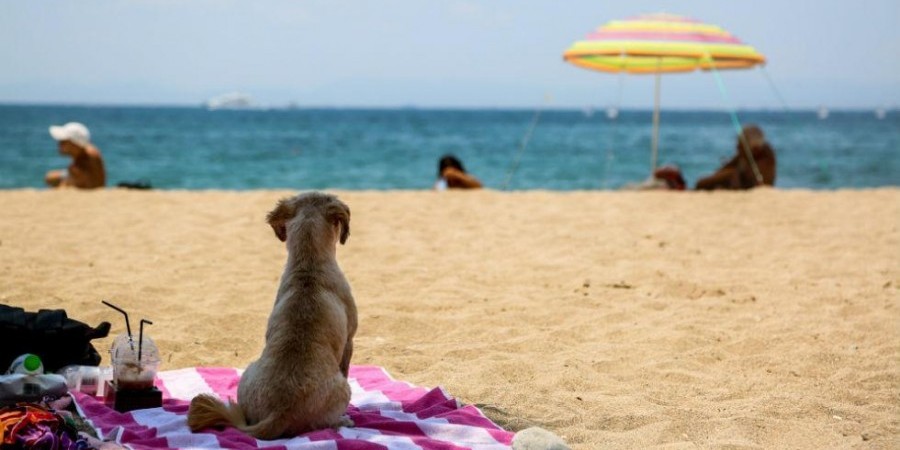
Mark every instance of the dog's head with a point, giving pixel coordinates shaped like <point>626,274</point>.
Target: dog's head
<point>317,207</point>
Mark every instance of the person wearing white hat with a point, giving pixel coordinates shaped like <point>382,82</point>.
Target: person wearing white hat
<point>86,170</point>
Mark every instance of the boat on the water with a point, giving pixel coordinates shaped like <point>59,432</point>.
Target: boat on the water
<point>231,100</point>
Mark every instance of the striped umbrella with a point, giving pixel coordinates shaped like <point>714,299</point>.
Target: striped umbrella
<point>661,43</point>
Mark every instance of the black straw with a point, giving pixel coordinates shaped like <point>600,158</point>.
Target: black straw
<point>127,322</point>
<point>141,337</point>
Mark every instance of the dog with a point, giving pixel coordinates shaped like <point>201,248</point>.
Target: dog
<point>299,383</point>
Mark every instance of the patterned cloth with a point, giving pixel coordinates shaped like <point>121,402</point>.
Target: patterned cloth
<point>388,414</point>
<point>32,426</point>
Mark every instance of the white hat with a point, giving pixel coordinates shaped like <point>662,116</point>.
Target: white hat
<point>72,131</point>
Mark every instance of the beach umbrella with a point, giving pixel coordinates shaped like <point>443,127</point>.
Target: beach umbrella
<point>657,44</point>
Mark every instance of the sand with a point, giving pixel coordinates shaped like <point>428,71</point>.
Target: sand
<point>765,319</point>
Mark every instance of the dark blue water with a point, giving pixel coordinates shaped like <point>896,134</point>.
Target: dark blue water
<point>192,148</point>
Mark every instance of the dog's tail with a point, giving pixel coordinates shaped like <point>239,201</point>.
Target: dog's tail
<point>267,429</point>
<point>206,411</point>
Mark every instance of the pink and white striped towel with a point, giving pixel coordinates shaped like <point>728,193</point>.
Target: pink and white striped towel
<point>388,414</point>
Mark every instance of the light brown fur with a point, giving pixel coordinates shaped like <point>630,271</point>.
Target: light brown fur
<point>299,383</point>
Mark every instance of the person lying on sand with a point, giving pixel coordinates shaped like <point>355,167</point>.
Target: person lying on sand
<point>86,170</point>
<point>452,175</point>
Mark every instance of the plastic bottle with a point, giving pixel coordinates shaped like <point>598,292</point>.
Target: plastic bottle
<point>25,381</point>
<point>27,364</point>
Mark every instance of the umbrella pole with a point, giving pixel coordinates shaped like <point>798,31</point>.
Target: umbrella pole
<point>655,142</point>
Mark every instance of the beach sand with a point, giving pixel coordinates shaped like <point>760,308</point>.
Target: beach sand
<point>764,319</point>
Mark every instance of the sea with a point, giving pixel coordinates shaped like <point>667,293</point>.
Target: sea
<point>397,149</point>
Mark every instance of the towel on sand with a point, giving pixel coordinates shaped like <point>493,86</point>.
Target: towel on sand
<point>388,414</point>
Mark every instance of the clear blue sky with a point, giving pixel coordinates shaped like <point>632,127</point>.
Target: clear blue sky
<point>386,53</point>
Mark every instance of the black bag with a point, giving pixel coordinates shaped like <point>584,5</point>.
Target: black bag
<point>50,334</point>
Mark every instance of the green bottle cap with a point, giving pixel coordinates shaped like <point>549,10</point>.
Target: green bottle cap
<point>32,363</point>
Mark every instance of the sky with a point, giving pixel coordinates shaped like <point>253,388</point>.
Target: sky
<point>430,54</point>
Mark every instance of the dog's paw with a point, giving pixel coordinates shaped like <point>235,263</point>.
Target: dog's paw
<point>345,421</point>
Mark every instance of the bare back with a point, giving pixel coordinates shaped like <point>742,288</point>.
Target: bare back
<point>87,170</point>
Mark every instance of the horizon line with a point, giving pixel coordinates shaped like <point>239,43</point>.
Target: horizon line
<point>290,107</point>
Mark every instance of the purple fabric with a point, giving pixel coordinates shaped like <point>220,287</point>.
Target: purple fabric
<point>33,426</point>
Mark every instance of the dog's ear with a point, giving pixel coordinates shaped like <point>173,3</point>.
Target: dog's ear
<point>339,213</point>
<point>279,217</point>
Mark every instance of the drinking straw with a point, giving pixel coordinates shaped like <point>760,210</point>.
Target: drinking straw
<point>141,337</point>
<point>127,322</point>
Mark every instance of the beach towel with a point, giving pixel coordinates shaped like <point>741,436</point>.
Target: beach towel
<point>388,414</point>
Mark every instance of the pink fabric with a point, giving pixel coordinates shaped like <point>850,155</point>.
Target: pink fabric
<point>388,414</point>
<point>672,36</point>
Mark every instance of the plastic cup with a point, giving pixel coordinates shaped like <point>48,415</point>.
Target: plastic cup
<point>106,374</point>
<point>128,372</point>
<point>84,379</point>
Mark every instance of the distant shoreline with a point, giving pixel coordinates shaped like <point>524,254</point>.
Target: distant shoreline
<point>597,108</point>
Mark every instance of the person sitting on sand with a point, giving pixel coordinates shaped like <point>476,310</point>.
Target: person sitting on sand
<point>738,173</point>
<point>86,170</point>
<point>452,175</point>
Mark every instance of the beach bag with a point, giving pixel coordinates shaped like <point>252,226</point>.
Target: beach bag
<point>50,334</point>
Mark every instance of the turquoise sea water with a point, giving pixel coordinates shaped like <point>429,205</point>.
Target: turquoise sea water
<point>192,148</point>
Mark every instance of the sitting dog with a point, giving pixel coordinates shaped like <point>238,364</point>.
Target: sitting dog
<point>299,383</point>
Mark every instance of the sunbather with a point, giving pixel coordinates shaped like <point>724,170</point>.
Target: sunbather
<point>738,173</point>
